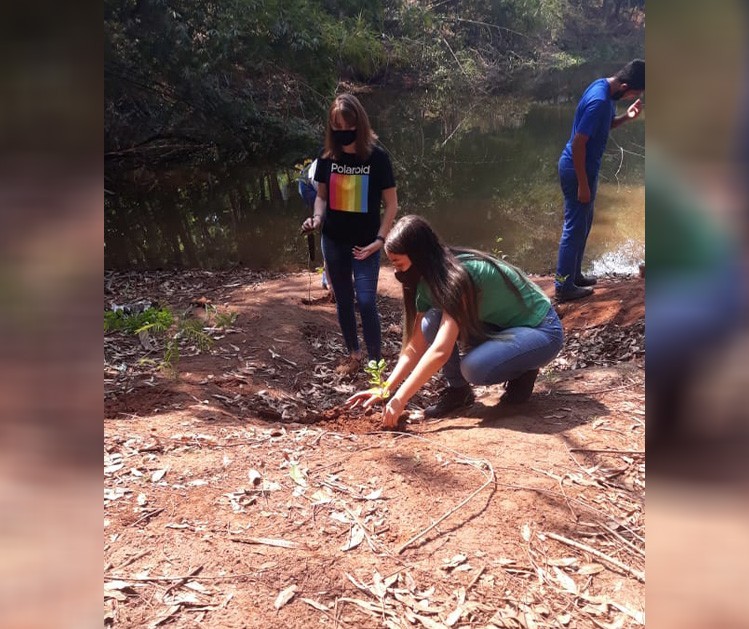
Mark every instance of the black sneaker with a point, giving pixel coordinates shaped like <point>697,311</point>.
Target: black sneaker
<point>576,292</point>
<point>519,390</point>
<point>450,399</point>
<point>584,281</point>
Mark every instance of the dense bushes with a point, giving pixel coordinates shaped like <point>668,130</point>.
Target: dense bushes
<point>249,80</point>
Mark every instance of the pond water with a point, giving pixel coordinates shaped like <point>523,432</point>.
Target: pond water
<point>483,171</point>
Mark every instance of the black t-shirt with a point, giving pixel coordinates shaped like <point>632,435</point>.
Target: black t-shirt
<point>354,195</point>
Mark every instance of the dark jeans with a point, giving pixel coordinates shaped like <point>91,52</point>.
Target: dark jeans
<point>351,279</point>
<point>578,219</point>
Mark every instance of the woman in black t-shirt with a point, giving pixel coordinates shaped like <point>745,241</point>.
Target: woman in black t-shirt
<point>355,178</point>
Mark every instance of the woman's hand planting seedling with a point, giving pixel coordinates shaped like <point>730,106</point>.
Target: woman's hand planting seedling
<point>380,389</point>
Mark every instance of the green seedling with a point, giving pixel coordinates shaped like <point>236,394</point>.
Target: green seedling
<point>497,251</point>
<point>225,319</point>
<point>375,370</point>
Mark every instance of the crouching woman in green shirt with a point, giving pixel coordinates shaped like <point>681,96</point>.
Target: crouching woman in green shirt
<point>505,324</point>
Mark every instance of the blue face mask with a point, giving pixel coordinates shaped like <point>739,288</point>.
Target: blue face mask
<point>344,138</point>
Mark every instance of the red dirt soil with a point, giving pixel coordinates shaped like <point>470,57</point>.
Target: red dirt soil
<point>246,476</point>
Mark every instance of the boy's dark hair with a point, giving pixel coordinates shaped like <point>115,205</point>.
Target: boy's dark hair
<point>633,74</point>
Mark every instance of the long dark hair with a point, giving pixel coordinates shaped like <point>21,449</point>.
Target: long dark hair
<point>348,107</point>
<point>450,284</point>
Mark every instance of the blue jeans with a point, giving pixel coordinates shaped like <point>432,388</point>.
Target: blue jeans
<point>578,219</point>
<point>508,354</point>
<point>351,278</point>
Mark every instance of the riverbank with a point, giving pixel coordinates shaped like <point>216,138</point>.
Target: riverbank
<point>237,492</point>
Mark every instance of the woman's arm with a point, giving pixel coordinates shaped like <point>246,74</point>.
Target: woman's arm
<point>432,360</point>
<point>390,200</point>
<point>318,213</point>
<point>409,356</point>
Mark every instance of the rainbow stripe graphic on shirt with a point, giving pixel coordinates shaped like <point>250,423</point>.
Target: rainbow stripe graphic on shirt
<point>349,188</point>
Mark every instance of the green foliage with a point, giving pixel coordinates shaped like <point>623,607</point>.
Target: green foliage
<point>171,358</point>
<point>375,369</point>
<point>157,319</point>
<point>497,251</point>
<point>243,80</point>
<point>226,319</point>
<point>161,323</point>
<point>192,331</point>
<point>250,80</point>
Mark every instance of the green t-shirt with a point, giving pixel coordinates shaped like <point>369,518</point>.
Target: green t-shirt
<point>498,304</point>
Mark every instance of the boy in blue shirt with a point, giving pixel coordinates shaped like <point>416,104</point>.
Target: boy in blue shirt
<point>580,163</point>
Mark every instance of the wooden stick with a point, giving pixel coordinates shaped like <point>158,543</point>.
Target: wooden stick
<point>197,577</point>
<point>638,574</point>
<point>281,543</point>
<point>132,559</point>
<point>640,452</point>
<point>148,515</point>
<point>639,551</point>
<point>620,388</point>
<point>418,536</point>
<point>476,578</point>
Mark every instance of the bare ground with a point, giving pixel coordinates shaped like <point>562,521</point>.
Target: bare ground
<point>240,494</point>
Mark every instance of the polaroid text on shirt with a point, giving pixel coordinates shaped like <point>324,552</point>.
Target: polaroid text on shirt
<point>349,170</point>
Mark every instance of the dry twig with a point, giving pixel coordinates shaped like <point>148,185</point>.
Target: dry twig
<point>638,574</point>
<point>462,503</point>
<point>607,451</point>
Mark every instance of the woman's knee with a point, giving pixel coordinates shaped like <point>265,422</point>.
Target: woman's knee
<point>475,371</point>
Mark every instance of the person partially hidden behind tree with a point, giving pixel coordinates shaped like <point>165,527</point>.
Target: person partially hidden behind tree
<point>580,163</point>
<point>506,325</point>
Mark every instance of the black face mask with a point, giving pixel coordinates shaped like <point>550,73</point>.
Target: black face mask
<point>410,277</point>
<point>344,138</point>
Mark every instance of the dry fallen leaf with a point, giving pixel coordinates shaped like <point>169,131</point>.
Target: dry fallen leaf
<point>428,622</point>
<point>454,616</point>
<point>284,596</point>
<point>110,586</point>
<point>565,562</point>
<point>373,495</point>
<point>255,477</point>
<point>356,537</point>
<point>637,616</point>
<point>321,496</point>
<point>454,562</point>
<point>298,475</point>
<point>565,581</point>
<point>525,531</point>
<point>590,568</point>
<point>158,475</point>
<point>315,604</point>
